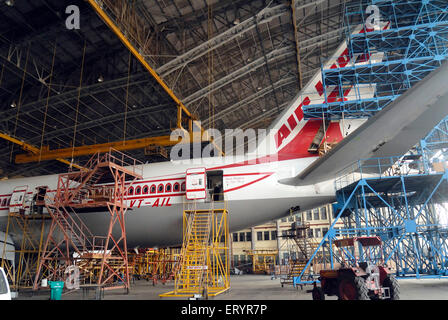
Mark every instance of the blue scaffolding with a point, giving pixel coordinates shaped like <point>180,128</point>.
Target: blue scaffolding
<point>400,200</point>
<point>409,41</point>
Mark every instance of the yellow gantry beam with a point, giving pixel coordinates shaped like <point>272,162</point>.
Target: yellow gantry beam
<point>34,151</point>
<point>91,149</point>
<point>296,39</point>
<point>137,54</point>
<point>111,24</point>
<point>36,154</point>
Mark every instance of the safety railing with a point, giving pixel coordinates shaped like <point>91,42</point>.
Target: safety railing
<point>386,167</point>
<point>123,160</point>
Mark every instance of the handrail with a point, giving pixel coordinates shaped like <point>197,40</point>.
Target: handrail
<point>385,167</point>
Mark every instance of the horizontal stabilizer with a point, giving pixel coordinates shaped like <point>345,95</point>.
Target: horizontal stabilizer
<point>391,132</point>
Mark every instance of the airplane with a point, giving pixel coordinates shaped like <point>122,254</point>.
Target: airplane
<point>284,171</point>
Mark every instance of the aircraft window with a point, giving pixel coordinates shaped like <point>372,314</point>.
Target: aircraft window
<point>4,202</point>
<point>168,187</point>
<point>131,191</point>
<point>138,190</point>
<point>9,200</point>
<point>153,188</point>
<point>160,188</point>
<point>183,186</point>
<point>145,190</point>
<point>176,187</point>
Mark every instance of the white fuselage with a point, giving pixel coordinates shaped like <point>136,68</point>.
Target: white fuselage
<point>252,191</point>
<point>252,194</point>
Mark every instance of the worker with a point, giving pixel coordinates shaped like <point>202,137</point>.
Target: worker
<point>217,190</point>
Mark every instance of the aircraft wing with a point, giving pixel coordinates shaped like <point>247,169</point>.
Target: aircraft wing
<point>391,132</point>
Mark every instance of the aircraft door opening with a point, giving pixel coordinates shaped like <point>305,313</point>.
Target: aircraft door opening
<point>39,199</point>
<point>215,185</point>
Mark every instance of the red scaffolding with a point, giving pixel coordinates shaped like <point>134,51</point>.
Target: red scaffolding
<point>101,185</point>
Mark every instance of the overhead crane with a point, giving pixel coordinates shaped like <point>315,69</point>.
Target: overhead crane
<point>45,153</point>
<point>33,151</point>
<point>48,154</point>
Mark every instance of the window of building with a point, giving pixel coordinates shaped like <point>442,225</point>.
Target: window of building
<point>235,237</point>
<point>293,256</point>
<point>176,187</point>
<point>153,188</point>
<point>317,233</point>
<point>235,260</point>
<point>324,231</point>
<point>242,236</point>
<point>273,235</point>
<point>242,259</point>
<point>309,216</point>
<point>316,214</point>
<point>310,233</point>
<point>284,220</point>
<point>323,213</point>
<point>248,236</point>
<point>290,219</point>
<point>283,233</point>
<point>160,188</point>
<point>299,218</point>
<point>145,190</point>
<point>259,235</point>
<point>266,235</point>
<point>138,190</point>
<point>168,187</point>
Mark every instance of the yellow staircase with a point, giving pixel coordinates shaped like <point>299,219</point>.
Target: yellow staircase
<point>203,268</point>
<point>192,274</point>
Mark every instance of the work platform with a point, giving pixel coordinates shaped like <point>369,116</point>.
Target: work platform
<point>400,199</point>
<point>70,246</point>
<point>203,269</point>
<point>407,41</point>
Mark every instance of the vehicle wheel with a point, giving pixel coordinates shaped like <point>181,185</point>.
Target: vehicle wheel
<point>394,288</point>
<point>352,288</point>
<point>318,293</point>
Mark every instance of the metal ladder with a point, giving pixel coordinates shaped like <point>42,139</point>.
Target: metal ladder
<point>192,273</point>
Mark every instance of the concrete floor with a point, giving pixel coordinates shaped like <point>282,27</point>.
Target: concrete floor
<point>256,287</point>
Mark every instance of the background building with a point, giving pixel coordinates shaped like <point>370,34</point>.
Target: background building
<point>270,236</point>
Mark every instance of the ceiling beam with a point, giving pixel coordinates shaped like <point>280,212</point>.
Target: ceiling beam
<point>254,65</point>
<point>35,151</point>
<point>75,152</point>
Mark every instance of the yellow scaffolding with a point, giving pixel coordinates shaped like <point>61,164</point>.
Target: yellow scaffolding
<point>28,249</point>
<point>155,264</point>
<point>263,261</point>
<point>204,260</point>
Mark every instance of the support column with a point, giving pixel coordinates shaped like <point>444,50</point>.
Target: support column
<point>279,245</point>
<point>254,234</point>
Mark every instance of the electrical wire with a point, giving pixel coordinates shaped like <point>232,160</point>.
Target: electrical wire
<point>77,105</point>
